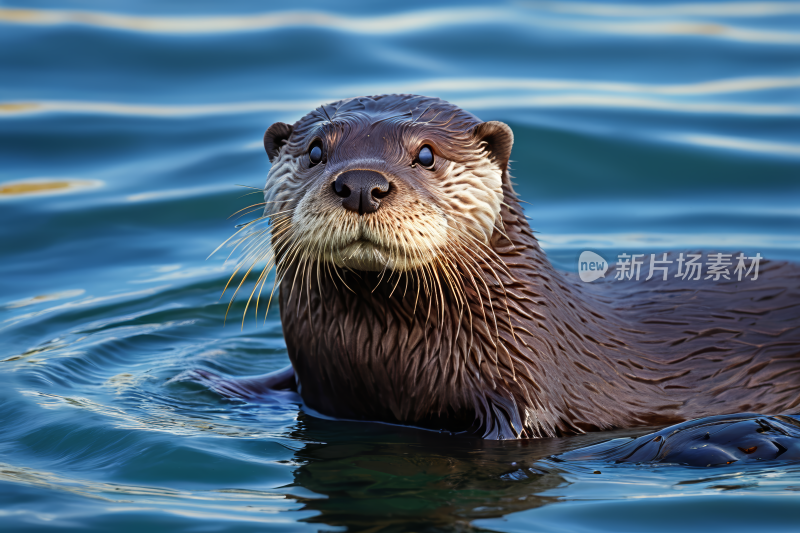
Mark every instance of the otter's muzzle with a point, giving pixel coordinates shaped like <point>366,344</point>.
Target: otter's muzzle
<point>361,190</point>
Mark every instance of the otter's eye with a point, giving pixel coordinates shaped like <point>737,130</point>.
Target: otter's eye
<point>425,156</point>
<point>315,154</point>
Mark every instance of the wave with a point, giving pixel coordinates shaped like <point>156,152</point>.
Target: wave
<point>411,22</point>
<point>576,100</point>
<point>703,88</point>
<point>716,9</point>
<point>668,241</point>
<point>737,144</point>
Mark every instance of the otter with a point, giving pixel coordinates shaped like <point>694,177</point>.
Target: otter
<point>413,291</point>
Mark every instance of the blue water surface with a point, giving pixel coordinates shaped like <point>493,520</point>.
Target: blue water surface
<point>125,128</point>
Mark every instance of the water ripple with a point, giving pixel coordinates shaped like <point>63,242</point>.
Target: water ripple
<point>716,9</point>
<point>13,109</point>
<point>395,23</point>
<point>160,417</point>
<point>202,502</point>
<point>669,241</point>
<point>738,144</point>
<point>703,88</point>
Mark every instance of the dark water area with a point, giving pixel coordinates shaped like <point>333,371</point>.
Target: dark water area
<point>125,129</point>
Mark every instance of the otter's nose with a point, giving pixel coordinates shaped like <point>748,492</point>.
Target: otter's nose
<point>361,190</point>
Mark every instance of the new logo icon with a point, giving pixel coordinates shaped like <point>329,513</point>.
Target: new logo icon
<point>591,266</point>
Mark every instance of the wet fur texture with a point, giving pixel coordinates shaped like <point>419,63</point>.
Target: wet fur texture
<point>441,310</point>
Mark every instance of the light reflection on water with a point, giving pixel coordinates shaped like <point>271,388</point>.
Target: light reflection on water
<point>639,128</point>
<point>481,103</point>
<point>45,186</point>
<point>422,20</point>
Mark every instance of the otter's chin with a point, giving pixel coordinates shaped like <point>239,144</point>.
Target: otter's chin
<point>363,255</point>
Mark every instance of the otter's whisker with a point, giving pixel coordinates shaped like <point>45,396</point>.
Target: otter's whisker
<point>243,240</point>
<point>239,231</point>
<point>303,261</point>
<point>481,249</point>
<point>399,276</point>
<point>273,250</point>
<point>472,275</point>
<point>322,254</point>
<point>436,271</point>
<point>250,187</point>
<point>236,291</point>
<point>255,286</point>
<point>248,207</point>
<point>380,277</point>
<point>488,296</point>
<point>249,193</point>
<point>255,247</point>
<point>275,283</point>
<point>308,295</point>
<point>418,283</point>
<point>253,210</point>
<point>502,231</point>
<point>488,252</point>
<point>505,298</point>
<point>264,275</point>
<point>443,263</point>
<point>279,252</point>
<point>405,260</point>
<point>465,271</point>
<point>226,241</point>
<point>432,296</point>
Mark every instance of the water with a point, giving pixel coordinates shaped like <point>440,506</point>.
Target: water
<point>124,130</point>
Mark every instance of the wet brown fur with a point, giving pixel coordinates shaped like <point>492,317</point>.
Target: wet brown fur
<point>481,333</point>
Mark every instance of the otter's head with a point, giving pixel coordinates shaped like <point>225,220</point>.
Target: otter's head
<point>392,182</point>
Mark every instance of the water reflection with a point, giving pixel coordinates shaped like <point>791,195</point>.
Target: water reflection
<point>387,478</point>
<point>231,505</point>
<point>418,21</point>
<point>737,144</point>
<point>515,101</point>
<point>148,110</point>
<point>715,9</point>
<point>45,186</point>
<point>710,87</point>
<point>41,298</point>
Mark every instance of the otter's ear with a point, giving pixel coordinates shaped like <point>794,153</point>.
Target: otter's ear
<point>274,139</point>
<point>499,138</point>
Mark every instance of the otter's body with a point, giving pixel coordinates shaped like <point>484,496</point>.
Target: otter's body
<point>413,291</point>
<point>585,356</point>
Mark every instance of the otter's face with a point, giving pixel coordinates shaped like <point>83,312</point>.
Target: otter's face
<point>386,182</point>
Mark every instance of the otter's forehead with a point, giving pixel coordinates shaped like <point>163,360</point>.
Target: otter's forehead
<point>389,127</point>
<point>383,111</point>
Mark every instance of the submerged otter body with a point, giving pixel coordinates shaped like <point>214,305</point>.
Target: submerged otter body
<point>413,291</point>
